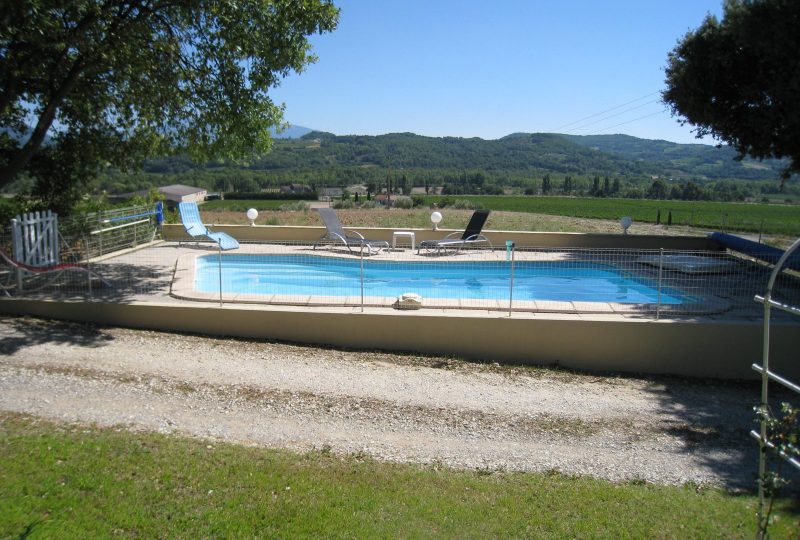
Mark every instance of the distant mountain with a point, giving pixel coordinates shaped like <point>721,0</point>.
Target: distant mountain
<point>701,160</point>
<point>292,132</point>
<point>523,152</point>
<point>518,156</point>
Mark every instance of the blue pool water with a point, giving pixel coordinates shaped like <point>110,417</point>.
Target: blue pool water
<point>327,276</point>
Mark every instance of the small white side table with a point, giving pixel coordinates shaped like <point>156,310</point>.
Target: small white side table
<point>402,234</point>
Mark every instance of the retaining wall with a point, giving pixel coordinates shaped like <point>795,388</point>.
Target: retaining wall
<point>714,348</point>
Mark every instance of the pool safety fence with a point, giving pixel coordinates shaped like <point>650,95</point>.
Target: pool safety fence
<point>508,279</point>
<point>111,231</point>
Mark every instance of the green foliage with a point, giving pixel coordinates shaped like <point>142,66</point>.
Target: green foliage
<point>405,203</point>
<point>297,206</point>
<point>658,190</point>
<point>478,167</point>
<point>417,200</point>
<point>767,218</point>
<point>738,79</point>
<point>250,196</point>
<point>783,431</point>
<point>465,204</point>
<point>681,160</point>
<point>477,162</point>
<point>343,204</point>
<point>122,80</point>
<point>242,206</point>
<point>10,207</point>
<point>82,482</point>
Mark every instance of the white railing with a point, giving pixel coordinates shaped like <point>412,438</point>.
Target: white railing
<point>765,441</point>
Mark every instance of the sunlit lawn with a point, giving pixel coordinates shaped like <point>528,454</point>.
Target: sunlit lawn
<point>775,219</point>
<point>75,482</point>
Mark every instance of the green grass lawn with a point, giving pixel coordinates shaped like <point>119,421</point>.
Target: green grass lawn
<point>782,219</point>
<point>75,482</point>
<point>751,217</point>
<point>244,205</point>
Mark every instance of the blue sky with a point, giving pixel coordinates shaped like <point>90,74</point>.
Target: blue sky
<point>486,69</point>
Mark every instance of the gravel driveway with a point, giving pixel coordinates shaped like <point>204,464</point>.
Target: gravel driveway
<point>402,408</point>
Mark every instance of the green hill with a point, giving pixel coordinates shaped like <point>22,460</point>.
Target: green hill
<point>528,152</point>
<point>520,161</point>
<point>700,160</point>
<point>537,153</point>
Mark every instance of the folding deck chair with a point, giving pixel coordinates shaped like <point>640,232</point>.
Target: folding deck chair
<point>336,234</point>
<point>190,217</point>
<point>471,236</point>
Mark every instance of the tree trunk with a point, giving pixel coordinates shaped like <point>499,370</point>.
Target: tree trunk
<point>20,159</point>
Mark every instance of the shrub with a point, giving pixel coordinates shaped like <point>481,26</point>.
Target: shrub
<point>403,203</point>
<point>464,204</point>
<point>242,195</point>
<point>297,206</point>
<point>342,205</point>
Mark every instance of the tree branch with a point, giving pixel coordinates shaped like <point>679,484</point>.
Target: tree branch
<point>20,159</point>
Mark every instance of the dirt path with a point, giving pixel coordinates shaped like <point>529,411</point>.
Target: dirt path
<point>391,407</point>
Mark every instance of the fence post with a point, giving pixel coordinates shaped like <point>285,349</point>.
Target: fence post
<point>88,266</point>
<point>510,250</point>
<point>361,257</point>
<point>100,218</point>
<point>219,266</point>
<point>16,243</point>
<point>660,274</point>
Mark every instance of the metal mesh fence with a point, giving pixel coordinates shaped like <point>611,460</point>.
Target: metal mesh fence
<point>110,231</point>
<point>649,283</point>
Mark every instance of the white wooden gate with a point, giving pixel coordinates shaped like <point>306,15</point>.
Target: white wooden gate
<point>35,238</point>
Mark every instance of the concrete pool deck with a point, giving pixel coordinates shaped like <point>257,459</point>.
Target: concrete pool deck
<point>722,344</point>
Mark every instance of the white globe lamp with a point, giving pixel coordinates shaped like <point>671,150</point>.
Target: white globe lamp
<point>252,214</point>
<point>436,218</point>
<point>625,223</point>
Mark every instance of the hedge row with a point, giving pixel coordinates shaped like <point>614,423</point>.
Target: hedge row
<point>244,195</point>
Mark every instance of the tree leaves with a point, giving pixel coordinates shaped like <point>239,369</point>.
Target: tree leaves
<point>739,79</point>
<point>147,77</point>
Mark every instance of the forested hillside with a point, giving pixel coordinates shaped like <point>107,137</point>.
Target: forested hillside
<point>522,162</point>
<point>699,160</point>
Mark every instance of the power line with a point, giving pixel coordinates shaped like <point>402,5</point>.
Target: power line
<point>583,126</point>
<point>603,112</point>
<point>628,122</point>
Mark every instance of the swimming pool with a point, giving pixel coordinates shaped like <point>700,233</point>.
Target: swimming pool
<point>297,275</point>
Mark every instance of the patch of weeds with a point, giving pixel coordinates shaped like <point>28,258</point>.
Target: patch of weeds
<point>185,388</point>
<point>360,455</point>
<point>694,486</point>
<point>488,470</point>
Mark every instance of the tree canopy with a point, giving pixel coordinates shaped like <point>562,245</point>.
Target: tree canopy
<point>85,83</point>
<point>739,79</point>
